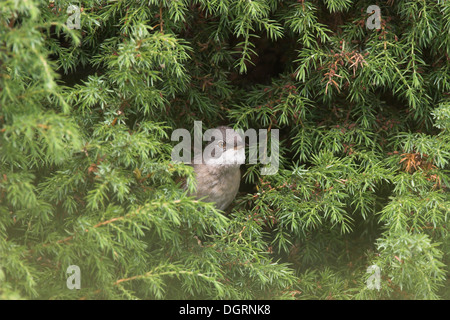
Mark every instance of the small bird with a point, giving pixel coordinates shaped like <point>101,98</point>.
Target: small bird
<point>217,173</point>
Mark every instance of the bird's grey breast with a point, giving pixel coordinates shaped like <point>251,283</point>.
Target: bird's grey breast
<point>217,184</point>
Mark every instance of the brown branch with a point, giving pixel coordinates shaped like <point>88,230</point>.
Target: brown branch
<point>87,230</point>
<point>100,224</point>
<point>158,274</point>
<point>107,222</point>
<point>132,278</point>
<point>11,22</point>
<point>161,21</point>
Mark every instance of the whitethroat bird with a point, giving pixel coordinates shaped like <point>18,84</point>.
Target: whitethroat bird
<point>217,169</point>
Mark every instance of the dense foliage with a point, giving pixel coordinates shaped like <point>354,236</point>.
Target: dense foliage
<point>86,176</point>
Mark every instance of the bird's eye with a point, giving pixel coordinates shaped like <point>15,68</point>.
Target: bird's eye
<point>221,144</point>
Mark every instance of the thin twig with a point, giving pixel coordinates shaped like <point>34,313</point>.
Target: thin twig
<point>161,21</point>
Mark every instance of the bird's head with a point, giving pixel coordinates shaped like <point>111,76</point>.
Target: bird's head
<point>226,147</point>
